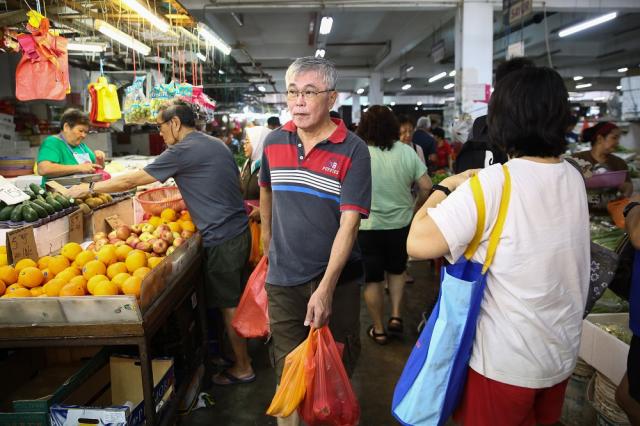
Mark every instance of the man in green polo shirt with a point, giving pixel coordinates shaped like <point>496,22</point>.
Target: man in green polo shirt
<point>65,154</point>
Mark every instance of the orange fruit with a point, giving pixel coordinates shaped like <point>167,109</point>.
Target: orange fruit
<point>71,250</point>
<point>3,287</point>
<point>136,259</point>
<point>13,287</point>
<point>68,273</point>
<point>93,281</point>
<point>24,263</point>
<point>48,276</point>
<point>79,280</point>
<point>93,268</point>
<point>142,272</point>
<point>43,262</point>
<point>72,290</point>
<point>18,292</point>
<point>107,254</point>
<point>30,277</point>
<point>83,257</point>
<point>120,279</point>
<point>175,227</point>
<point>169,214</point>
<point>3,259</point>
<point>52,288</point>
<point>105,288</point>
<point>58,264</point>
<point>8,274</point>
<point>184,215</point>
<point>122,252</point>
<point>132,286</point>
<point>187,225</point>
<point>155,221</point>
<point>115,269</point>
<point>37,291</point>
<point>154,261</point>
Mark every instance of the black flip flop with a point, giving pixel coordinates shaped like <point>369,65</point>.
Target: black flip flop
<point>379,338</point>
<point>224,378</point>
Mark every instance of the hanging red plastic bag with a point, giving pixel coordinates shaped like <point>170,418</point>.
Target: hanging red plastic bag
<point>330,399</point>
<point>251,319</point>
<point>256,243</point>
<point>93,111</point>
<point>43,70</point>
<point>292,387</point>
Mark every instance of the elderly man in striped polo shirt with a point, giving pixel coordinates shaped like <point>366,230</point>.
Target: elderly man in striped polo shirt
<point>315,187</point>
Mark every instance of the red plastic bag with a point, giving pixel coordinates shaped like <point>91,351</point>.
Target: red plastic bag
<point>43,70</point>
<point>329,399</point>
<point>252,315</point>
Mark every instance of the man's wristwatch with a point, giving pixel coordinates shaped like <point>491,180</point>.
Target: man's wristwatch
<point>628,208</point>
<point>442,188</point>
<point>91,185</point>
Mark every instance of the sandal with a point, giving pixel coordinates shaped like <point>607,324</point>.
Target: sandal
<point>225,378</point>
<point>379,338</point>
<point>395,325</point>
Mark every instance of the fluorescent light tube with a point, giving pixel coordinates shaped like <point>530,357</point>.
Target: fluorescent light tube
<point>449,86</point>
<point>360,91</point>
<point>122,38</point>
<point>588,24</point>
<point>262,89</point>
<point>85,47</point>
<point>583,86</point>
<point>393,103</point>
<point>201,57</point>
<point>325,25</point>
<point>320,53</point>
<point>452,73</point>
<point>406,87</point>
<point>419,103</point>
<point>221,72</point>
<point>437,77</point>
<point>623,69</point>
<point>618,87</point>
<point>578,78</point>
<point>147,15</point>
<point>409,69</point>
<point>210,36</point>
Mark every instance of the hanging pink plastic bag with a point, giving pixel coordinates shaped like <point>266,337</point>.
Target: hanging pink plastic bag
<point>329,400</point>
<point>251,319</point>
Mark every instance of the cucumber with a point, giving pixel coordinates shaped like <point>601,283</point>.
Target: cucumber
<point>62,200</point>
<point>5,212</point>
<point>42,212</point>
<point>29,214</point>
<point>16,214</point>
<point>38,190</point>
<point>31,195</point>
<point>53,203</point>
<point>49,209</point>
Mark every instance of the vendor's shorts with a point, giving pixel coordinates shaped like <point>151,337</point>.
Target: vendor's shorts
<point>633,368</point>
<point>487,402</point>
<point>288,309</point>
<point>383,251</point>
<point>225,270</point>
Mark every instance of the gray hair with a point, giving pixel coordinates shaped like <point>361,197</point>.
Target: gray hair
<point>325,68</point>
<point>423,123</point>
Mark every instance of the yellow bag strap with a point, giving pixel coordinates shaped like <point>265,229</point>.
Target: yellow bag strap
<point>496,232</point>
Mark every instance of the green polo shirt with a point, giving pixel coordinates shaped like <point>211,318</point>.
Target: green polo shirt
<point>57,151</point>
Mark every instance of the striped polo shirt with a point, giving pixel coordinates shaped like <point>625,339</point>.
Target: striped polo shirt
<point>309,194</point>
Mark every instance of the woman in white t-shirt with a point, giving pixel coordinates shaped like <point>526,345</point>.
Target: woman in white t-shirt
<point>528,331</point>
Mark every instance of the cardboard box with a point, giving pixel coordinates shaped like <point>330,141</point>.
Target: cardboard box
<point>96,221</point>
<point>603,351</point>
<point>123,396</point>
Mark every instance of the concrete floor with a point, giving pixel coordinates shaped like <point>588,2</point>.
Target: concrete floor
<point>374,379</point>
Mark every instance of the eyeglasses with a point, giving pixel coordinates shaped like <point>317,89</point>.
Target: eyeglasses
<point>159,125</point>
<point>307,94</point>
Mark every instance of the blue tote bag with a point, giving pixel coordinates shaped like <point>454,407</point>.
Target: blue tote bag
<point>434,376</point>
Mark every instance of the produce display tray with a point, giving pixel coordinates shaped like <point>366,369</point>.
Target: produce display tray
<point>8,224</point>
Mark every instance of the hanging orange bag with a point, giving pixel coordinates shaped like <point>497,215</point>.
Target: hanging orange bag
<point>43,70</point>
<point>329,399</point>
<point>251,319</point>
<point>256,243</point>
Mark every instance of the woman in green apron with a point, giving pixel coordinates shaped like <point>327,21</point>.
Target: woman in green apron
<point>65,154</point>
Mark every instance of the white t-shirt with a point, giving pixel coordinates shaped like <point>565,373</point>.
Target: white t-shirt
<point>528,331</point>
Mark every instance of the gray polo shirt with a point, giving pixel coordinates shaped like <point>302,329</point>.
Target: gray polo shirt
<point>209,182</point>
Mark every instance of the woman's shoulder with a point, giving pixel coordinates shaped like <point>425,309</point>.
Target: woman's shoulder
<point>52,140</point>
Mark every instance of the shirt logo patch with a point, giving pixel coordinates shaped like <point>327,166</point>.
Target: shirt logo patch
<point>332,166</point>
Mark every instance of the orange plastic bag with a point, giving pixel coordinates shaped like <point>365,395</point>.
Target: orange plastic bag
<point>615,209</point>
<point>256,249</point>
<point>330,399</point>
<point>292,387</point>
<point>252,315</point>
<point>43,70</point>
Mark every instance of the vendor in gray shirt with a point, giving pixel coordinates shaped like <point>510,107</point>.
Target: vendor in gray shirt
<point>209,182</point>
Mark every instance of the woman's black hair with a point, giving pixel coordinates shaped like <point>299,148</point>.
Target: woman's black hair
<point>379,127</point>
<point>529,113</point>
<point>74,117</point>
<point>603,128</point>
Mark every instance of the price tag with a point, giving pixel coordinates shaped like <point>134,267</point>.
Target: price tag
<point>21,244</point>
<point>76,227</point>
<point>115,221</point>
<point>10,194</point>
